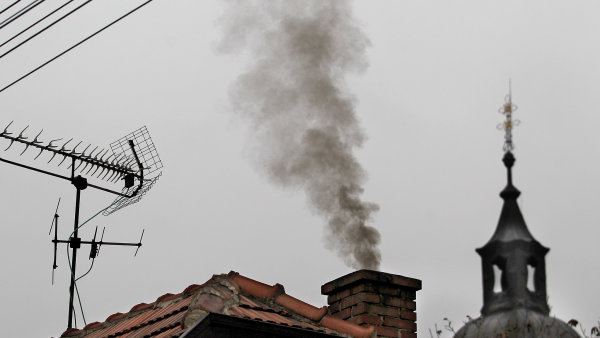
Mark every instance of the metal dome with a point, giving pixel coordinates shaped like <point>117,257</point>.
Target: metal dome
<point>521,323</point>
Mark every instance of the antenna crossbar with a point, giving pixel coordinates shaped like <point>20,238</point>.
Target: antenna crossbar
<point>114,167</point>
<point>77,242</point>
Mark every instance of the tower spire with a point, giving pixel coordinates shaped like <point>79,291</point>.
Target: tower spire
<point>512,251</point>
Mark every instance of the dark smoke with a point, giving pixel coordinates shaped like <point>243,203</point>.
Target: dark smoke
<point>304,121</point>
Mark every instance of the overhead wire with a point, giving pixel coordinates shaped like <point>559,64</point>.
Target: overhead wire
<point>35,23</point>
<point>17,13</point>
<point>9,6</point>
<point>20,13</point>
<point>74,46</point>
<point>45,28</point>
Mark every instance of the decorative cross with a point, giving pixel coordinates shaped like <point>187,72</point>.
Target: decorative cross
<point>507,109</point>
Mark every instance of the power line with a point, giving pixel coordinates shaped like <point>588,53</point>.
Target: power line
<point>20,13</point>
<point>35,23</point>
<point>9,6</point>
<point>75,45</point>
<point>44,29</point>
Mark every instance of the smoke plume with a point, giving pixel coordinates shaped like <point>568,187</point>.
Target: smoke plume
<point>301,114</point>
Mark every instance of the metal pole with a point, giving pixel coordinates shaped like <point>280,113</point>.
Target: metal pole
<point>75,246</point>
<point>80,183</point>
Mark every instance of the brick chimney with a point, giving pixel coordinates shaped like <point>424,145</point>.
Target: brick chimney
<point>368,297</point>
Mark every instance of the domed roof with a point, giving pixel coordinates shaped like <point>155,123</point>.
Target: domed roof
<point>517,323</point>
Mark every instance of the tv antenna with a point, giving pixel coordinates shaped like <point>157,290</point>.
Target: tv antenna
<point>130,159</point>
<point>76,243</point>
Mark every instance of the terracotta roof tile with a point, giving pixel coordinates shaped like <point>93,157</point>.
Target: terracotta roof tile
<point>301,308</point>
<point>174,332</point>
<point>71,332</point>
<point>247,302</point>
<point>158,327</point>
<point>167,297</point>
<point>352,329</point>
<point>275,318</point>
<point>141,306</point>
<point>192,288</point>
<point>92,325</point>
<point>131,324</point>
<point>231,294</point>
<point>115,316</point>
<point>255,288</point>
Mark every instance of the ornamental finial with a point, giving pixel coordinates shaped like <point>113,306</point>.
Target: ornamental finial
<point>507,109</point>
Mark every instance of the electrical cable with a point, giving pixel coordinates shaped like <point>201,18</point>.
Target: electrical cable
<point>9,6</point>
<point>80,307</point>
<point>45,28</point>
<point>75,319</point>
<point>35,23</point>
<point>20,13</point>
<point>90,269</point>
<point>17,13</point>
<point>74,46</point>
<point>77,288</point>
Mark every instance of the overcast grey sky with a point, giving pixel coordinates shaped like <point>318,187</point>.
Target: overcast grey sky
<point>438,71</point>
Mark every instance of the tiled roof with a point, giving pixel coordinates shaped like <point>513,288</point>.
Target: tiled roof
<point>229,294</point>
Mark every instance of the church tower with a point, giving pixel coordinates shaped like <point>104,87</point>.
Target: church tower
<point>513,258</point>
<point>513,268</point>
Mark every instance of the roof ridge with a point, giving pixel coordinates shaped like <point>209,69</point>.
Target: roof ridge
<point>319,315</point>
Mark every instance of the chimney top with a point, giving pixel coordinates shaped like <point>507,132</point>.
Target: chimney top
<point>362,276</point>
<point>373,298</point>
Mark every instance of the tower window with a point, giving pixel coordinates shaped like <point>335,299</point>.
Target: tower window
<point>530,277</point>
<point>498,287</point>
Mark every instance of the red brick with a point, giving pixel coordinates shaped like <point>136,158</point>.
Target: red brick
<point>366,319</point>
<point>409,305</point>
<point>387,332</point>
<point>400,323</point>
<point>408,315</point>
<point>359,309</point>
<point>362,297</point>
<point>399,302</point>
<point>406,334</point>
<point>344,314</point>
<point>407,282</point>
<point>337,296</point>
<point>375,309</point>
<point>383,310</point>
<point>362,288</point>
<point>334,307</point>
<point>380,289</point>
